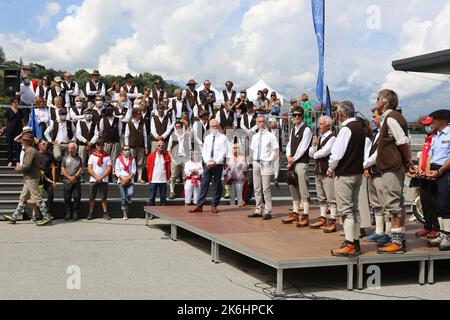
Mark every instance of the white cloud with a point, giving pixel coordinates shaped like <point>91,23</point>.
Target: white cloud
<point>51,10</point>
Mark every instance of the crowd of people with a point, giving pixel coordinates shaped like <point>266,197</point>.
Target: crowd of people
<point>119,133</point>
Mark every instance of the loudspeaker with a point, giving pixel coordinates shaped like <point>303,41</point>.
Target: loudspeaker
<point>12,80</point>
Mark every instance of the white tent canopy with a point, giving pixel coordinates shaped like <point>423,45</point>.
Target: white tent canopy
<point>252,92</point>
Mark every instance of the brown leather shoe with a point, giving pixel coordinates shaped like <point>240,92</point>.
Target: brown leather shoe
<point>322,221</point>
<point>348,249</point>
<point>304,221</point>
<point>243,204</point>
<point>331,227</point>
<point>292,218</point>
<point>214,210</point>
<point>196,209</point>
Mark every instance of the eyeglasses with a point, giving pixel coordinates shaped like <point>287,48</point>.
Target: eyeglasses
<point>296,116</point>
<point>160,146</point>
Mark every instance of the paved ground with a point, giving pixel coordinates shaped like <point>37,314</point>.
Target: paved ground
<point>127,260</point>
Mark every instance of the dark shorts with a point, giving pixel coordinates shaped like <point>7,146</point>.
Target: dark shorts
<point>101,187</point>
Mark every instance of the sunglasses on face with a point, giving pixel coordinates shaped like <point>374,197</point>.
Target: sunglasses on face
<point>296,116</point>
<point>160,146</point>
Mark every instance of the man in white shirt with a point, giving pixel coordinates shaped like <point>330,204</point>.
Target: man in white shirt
<point>110,129</point>
<point>27,96</point>
<point>201,127</point>
<point>265,150</point>
<point>161,126</point>
<point>229,94</point>
<point>191,96</point>
<point>76,111</point>
<point>297,152</point>
<point>72,89</point>
<point>43,90</point>
<point>226,117</point>
<point>130,89</point>
<point>179,148</point>
<point>320,151</point>
<point>60,133</point>
<point>87,136</point>
<point>158,173</point>
<point>95,88</point>
<point>180,106</point>
<point>346,165</point>
<point>58,91</point>
<point>214,154</point>
<point>99,167</point>
<point>136,139</point>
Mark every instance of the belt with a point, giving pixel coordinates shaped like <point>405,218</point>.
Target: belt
<point>435,167</point>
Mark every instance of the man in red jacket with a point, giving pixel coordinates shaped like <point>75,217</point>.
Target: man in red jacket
<point>158,173</point>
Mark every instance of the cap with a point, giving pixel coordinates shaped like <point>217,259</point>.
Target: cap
<point>28,137</point>
<point>58,79</point>
<point>441,114</point>
<point>427,121</point>
<point>26,129</point>
<point>191,82</point>
<point>203,113</point>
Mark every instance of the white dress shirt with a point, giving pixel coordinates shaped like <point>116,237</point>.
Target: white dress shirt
<point>51,97</point>
<point>119,169</point>
<point>101,125</point>
<point>304,144</point>
<point>89,126</point>
<point>227,114</point>
<point>61,136</point>
<point>326,150</point>
<point>395,130</point>
<point>153,128</point>
<point>369,161</point>
<point>42,115</point>
<point>191,166</point>
<point>27,94</point>
<point>159,170</point>
<point>220,148</point>
<point>269,146</point>
<point>73,115</point>
<point>179,108</point>
<point>127,133</point>
<point>90,93</point>
<point>340,145</point>
<point>243,127</point>
<point>75,92</point>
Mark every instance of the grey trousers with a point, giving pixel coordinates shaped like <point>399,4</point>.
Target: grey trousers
<point>392,196</point>
<point>262,176</point>
<point>59,151</point>
<point>375,195</point>
<point>301,193</point>
<point>325,191</point>
<point>113,149</point>
<point>175,170</point>
<point>347,194</point>
<point>30,189</point>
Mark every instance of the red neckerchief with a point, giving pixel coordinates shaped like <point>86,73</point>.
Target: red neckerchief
<point>100,157</point>
<point>126,167</point>
<point>194,180</point>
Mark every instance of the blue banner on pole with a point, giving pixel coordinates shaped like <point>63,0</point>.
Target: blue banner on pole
<point>328,105</point>
<point>34,125</point>
<point>318,12</point>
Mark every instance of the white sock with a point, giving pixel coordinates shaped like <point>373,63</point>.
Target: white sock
<point>396,230</point>
<point>349,230</point>
<point>295,206</point>
<point>306,208</point>
<point>333,213</point>
<point>357,230</point>
<point>441,224</point>
<point>446,225</point>
<point>379,220</point>
<point>323,212</point>
<point>388,228</point>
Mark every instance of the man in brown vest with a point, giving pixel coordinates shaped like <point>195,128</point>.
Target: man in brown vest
<point>161,126</point>
<point>297,152</point>
<point>207,97</point>
<point>136,139</point>
<point>72,89</point>
<point>60,133</point>
<point>229,94</point>
<point>43,90</point>
<point>346,164</point>
<point>180,106</point>
<point>130,89</point>
<point>320,151</point>
<point>87,136</point>
<point>95,88</point>
<point>227,117</point>
<point>110,129</point>
<point>58,91</point>
<point>375,183</point>
<point>158,93</point>
<point>179,148</point>
<point>393,160</point>
<point>191,96</point>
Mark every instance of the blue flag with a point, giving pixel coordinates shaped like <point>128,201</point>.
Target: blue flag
<point>34,125</point>
<point>328,105</point>
<point>318,13</point>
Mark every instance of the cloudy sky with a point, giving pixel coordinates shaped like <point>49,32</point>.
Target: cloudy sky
<point>241,40</point>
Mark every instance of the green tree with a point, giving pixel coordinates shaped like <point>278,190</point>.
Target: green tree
<point>2,56</point>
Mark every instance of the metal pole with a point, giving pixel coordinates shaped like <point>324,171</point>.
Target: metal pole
<point>431,271</point>
<point>360,270</point>
<point>279,281</point>
<point>422,272</point>
<point>350,277</point>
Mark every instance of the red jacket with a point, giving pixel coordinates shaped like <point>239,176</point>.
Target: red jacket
<point>151,164</point>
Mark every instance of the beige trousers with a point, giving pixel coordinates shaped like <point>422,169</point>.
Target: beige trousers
<point>30,189</point>
<point>262,176</point>
<point>347,196</point>
<point>325,191</point>
<point>392,192</point>
<point>301,193</point>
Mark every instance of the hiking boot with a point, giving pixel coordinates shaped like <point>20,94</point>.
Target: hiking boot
<point>348,249</point>
<point>90,216</point>
<point>445,243</point>
<point>76,216</point>
<point>321,222</point>
<point>44,222</point>
<point>11,218</point>
<point>436,242</point>
<point>292,218</point>
<point>267,216</point>
<point>304,221</point>
<point>34,219</point>
<point>392,248</point>
<point>256,214</point>
<point>384,240</point>
<point>331,226</point>
<point>106,216</point>
<point>374,237</point>
<point>422,233</point>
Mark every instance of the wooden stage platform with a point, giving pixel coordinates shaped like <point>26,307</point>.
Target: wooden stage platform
<point>286,246</point>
